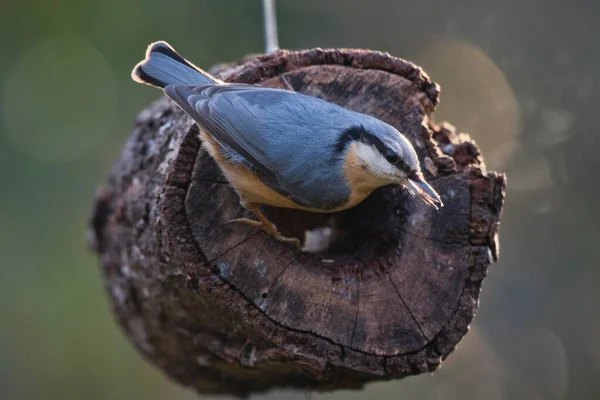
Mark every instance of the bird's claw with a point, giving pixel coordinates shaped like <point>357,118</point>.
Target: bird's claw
<point>271,231</point>
<point>293,241</point>
<point>247,221</point>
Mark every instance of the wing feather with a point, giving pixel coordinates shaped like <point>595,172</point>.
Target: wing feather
<point>209,110</point>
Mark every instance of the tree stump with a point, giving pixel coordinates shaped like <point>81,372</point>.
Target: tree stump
<point>225,309</point>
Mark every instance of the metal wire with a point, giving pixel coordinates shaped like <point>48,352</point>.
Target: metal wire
<point>270,21</point>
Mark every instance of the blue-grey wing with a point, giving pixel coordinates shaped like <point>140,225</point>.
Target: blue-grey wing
<point>286,137</point>
<point>196,102</point>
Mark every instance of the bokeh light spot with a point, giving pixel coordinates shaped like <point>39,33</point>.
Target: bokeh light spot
<point>476,96</point>
<point>60,99</point>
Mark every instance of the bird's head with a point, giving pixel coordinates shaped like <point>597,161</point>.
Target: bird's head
<point>376,154</point>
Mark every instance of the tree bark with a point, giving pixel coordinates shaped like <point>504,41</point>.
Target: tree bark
<point>225,309</point>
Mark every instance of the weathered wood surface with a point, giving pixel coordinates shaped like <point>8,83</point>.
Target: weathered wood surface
<point>225,309</point>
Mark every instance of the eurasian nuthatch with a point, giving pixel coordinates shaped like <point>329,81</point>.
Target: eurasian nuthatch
<point>285,149</point>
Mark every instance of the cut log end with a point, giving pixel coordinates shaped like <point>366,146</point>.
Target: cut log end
<point>388,289</point>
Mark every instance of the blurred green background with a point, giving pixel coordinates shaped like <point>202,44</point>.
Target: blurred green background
<point>520,75</point>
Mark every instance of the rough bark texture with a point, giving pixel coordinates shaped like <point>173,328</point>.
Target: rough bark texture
<point>225,309</point>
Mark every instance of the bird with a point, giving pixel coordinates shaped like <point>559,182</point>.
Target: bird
<point>282,148</point>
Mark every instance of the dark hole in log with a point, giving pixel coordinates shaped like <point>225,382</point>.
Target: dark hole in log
<point>357,235</point>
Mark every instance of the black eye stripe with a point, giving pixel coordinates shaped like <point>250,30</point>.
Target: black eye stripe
<point>402,166</point>
<point>358,132</point>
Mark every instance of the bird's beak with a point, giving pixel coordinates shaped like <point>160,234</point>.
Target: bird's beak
<point>425,192</point>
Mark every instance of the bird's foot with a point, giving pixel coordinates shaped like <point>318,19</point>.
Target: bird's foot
<point>270,229</point>
<point>293,241</point>
<point>248,221</point>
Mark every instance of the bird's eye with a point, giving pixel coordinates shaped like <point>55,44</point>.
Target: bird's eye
<point>391,156</point>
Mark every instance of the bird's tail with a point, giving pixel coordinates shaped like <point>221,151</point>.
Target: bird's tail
<point>163,66</point>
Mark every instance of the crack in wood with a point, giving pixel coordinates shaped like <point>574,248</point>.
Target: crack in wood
<point>233,247</point>
<point>409,310</point>
<point>275,281</point>
<point>455,310</point>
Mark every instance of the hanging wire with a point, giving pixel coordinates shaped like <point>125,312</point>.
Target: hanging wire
<point>270,20</point>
